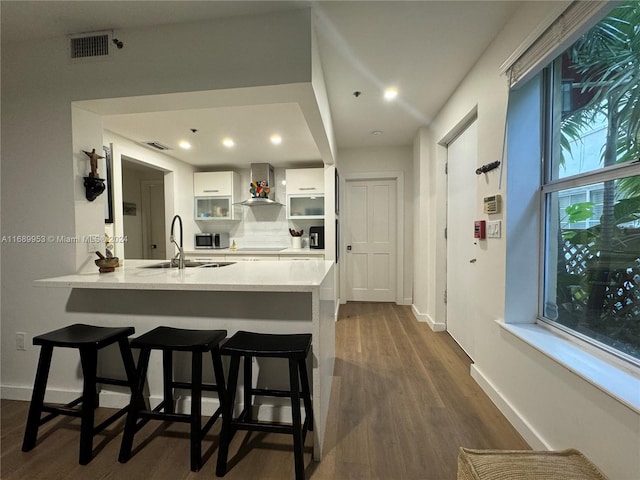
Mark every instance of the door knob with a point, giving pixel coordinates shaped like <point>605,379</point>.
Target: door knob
<point>473,260</point>
<point>154,246</point>
<point>348,248</point>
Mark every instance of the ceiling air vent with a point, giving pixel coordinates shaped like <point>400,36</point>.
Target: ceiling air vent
<point>89,46</point>
<point>156,145</point>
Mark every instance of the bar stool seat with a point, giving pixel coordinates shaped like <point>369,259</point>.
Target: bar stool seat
<point>169,339</point>
<point>88,339</point>
<point>295,348</point>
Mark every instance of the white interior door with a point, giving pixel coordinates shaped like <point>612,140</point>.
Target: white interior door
<point>153,225</point>
<point>371,235</point>
<point>461,248</point>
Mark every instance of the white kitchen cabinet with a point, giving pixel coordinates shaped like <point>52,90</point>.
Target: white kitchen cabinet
<point>215,194</point>
<point>305,181</point>
<point>305,193</point>
<point>213,184</point>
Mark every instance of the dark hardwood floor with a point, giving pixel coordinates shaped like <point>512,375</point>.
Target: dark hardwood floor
<point>402,404</point>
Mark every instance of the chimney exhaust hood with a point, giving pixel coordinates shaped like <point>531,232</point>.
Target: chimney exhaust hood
<point>262,186</point>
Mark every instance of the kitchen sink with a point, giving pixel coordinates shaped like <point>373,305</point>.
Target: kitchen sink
<point>190,264</point>
<point>216,264</point>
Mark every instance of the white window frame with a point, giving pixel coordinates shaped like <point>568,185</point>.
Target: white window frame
<point>547,187</point>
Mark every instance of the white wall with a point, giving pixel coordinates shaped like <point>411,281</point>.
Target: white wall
<point>42,165</point>
<point>551,407</point>
<point>380,160</point>
<point>428,240</point>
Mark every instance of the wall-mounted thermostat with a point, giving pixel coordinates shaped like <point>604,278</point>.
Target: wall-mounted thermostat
<point>492,204</point>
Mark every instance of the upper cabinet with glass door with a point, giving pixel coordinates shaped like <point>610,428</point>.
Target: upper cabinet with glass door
<point>215,194</point>
<point>305,193</point>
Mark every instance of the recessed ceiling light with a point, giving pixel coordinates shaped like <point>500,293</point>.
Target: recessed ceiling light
<point>276,139</point>
<point>184,144</point>
<point>376,132</point>
<point>390,93</point>
<point>228,142</point>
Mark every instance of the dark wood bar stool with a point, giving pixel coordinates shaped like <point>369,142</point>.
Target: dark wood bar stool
<point>169,340</point>
<point>293,347</point>
<point>88,339</point>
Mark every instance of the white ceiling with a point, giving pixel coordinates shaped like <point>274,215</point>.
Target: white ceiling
<point>423,48</point>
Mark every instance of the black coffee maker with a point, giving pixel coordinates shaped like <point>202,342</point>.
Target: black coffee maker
<point>316,237</point>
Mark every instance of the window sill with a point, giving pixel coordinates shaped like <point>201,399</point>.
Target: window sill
<point>611,379</point>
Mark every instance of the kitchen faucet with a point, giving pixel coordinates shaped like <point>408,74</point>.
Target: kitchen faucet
<point>180,255</point>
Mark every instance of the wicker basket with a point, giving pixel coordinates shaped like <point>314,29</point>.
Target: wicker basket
<point>525,465</point>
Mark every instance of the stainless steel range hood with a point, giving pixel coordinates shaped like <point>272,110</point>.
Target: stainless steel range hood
<point>261,172</point>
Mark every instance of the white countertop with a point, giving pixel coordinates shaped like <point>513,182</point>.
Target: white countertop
<point>264,276</point>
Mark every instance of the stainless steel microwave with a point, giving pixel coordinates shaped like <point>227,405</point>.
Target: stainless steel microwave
<point>211,240</point>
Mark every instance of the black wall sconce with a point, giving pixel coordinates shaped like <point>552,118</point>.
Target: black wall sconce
<point>93,187</point>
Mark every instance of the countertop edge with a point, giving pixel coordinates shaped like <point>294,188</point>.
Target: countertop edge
<point>131,277</point>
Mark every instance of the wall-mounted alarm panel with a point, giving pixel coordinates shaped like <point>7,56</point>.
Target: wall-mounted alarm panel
<point>492,204</point>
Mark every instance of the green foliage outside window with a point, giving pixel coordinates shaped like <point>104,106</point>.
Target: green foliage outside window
<point>594,286</point>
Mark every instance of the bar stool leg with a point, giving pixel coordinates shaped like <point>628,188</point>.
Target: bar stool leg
<point>227,430</point>
<point>306,394</point>
<point>130,370</point>
<point>247,414</point>
<point>167,380</point>
<point>196,410</point>
<point>218,372</point>
<point>89,362</point>
<point>127,361</point>
<point>297,422</point>
<point>37,398</point>
<point>136,396</point>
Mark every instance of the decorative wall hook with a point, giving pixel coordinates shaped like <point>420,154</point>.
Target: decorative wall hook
<point>488,167</point>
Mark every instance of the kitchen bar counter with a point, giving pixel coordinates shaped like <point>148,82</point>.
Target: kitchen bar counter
<point>267,276</point>
<point>272,296</point>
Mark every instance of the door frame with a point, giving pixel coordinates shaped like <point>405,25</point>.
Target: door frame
<point>441,219</point>
<point>398,177</point>
<point>144,210</point>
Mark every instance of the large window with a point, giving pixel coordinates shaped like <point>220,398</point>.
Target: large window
<point>591,187</point>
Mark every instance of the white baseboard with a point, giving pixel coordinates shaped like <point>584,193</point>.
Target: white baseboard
<point>426,318</point>
<point>11,392</point>
<point>531,436</point>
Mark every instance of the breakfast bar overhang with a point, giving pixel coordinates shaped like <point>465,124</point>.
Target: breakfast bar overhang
<point>267,296</point>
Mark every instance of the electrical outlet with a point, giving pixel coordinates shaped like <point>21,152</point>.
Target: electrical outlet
<point>20,338</point>
<point>494,229</point>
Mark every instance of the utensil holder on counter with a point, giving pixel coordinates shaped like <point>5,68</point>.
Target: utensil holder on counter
<point>296,242</point>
